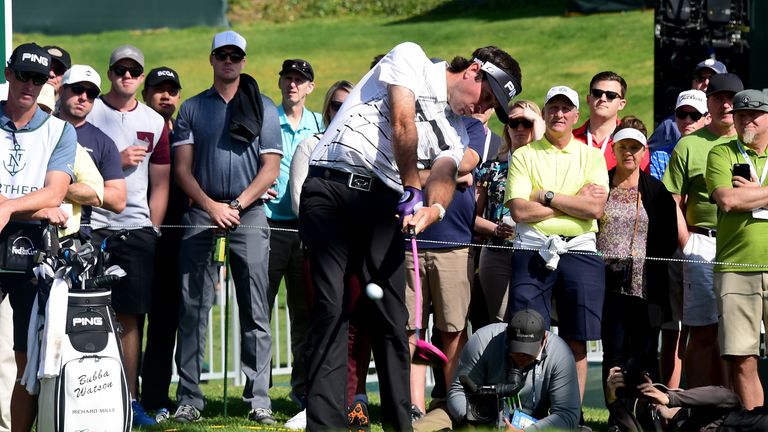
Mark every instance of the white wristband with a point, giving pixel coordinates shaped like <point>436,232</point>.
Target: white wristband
<point>442,210</point>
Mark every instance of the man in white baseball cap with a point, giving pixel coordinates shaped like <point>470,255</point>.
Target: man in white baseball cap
<point>81,86</point>
<point>691,112</point>
<point>556,190</point>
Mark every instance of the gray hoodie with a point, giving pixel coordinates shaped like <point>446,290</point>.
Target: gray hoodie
<point>551,391</point>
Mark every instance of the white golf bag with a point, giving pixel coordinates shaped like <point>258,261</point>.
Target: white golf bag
<point>75,353</point>
<point>91,392</point>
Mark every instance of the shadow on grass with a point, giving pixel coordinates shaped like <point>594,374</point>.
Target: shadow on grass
<point>489,10</point>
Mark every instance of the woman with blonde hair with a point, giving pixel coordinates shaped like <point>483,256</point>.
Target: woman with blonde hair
<point>492,219</point>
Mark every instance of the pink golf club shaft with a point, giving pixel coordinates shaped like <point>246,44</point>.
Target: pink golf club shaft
<point>417,283</point>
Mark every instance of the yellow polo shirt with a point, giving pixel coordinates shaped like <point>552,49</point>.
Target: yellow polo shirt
<point>85,172</point>
<point>541,166</point>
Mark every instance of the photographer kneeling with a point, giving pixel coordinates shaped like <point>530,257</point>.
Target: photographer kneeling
<point>519,373</point>
<point>710,408</point>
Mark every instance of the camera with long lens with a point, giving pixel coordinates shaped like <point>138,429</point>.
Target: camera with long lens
<point>486,404</point>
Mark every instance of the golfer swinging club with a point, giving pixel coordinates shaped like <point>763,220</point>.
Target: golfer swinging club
<point>403,115</point>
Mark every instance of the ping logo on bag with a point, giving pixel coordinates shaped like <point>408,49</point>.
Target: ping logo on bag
<point>23,246</point>
<point>88,321</point>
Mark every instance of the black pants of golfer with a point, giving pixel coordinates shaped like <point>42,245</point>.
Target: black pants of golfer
<point>348,231</point>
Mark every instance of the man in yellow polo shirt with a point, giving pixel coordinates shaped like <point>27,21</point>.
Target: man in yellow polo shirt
<point>556,190</point>
<point>742,227</point>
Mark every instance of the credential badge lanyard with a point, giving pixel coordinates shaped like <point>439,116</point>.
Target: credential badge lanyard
<point>752,169</point>
<point>603,145</point>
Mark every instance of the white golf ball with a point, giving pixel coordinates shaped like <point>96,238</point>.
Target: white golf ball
<point>374,291</point>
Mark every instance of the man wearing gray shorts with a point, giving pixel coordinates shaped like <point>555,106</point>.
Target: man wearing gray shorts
<point>697,220</point>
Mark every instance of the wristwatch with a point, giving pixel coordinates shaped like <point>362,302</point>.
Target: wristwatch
<point>548,197</point>
<point>235,204</point>
<point>442,211</point>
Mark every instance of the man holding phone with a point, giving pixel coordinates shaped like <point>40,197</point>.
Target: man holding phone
<point>696,227</point>
<point>736,172</point>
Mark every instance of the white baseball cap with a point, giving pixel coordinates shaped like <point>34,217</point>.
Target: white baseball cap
<point>696,99</point>
<point>564,91</point>
<point>630,133</point>
<point>81,73</point>
<point>228,37</point>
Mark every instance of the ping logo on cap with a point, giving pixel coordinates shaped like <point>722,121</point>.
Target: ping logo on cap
<point>166,73</point>
<point>511,87</point>
<point>34,58</point>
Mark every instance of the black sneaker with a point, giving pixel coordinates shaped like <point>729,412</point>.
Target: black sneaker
<point>357,417</point>
<point>416,414</point>
<point>262,415</point>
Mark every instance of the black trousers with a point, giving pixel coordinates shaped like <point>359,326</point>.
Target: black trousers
<point>353,232</point>
<point>163,320</point>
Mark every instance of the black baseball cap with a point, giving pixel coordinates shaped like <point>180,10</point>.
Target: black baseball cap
<point>504,87</point>
<point>728,82</point>
<point>60,55</point>
<point>160,75</point>
<point>30,57</point>
<point>298,65</point>
<point>525,332</point>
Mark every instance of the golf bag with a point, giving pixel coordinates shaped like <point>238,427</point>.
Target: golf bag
<point>89,391</point>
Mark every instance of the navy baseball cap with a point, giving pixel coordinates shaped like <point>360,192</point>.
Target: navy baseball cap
<point>30,57</point>
<point>715,66</point>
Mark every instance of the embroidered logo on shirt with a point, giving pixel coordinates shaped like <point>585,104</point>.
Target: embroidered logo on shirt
<point>14,164</point>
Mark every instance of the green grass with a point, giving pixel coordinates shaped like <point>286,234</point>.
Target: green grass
<point>284,409</point>
<point>551,49</point>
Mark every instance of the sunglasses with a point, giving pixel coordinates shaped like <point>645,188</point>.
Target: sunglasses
<point>694,116</point>
<point>753,104</point>
<point>37,79</point>
<point>90,92</point>
<point>515,122</point>
<point>298,65</point>
<point>233,56</point>
<point>134,71</point>
<point>610,95</point>
<point>335,105</point>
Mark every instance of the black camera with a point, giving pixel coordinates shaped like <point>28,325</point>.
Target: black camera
<point>485,403</point>
<point>634,375</point>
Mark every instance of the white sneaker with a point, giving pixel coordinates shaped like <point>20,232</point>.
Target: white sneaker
<point>297,422</point>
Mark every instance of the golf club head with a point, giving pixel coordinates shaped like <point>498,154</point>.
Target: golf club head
<point>86,254</point>
<point>428,354</point>
<point>118,236</point>
<point>116,270</point>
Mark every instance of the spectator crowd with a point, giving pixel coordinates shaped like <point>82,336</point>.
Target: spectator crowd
<point>548,225</point>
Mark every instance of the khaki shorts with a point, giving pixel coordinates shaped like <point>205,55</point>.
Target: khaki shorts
<point>446,284</point>
<point>741,302</point>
